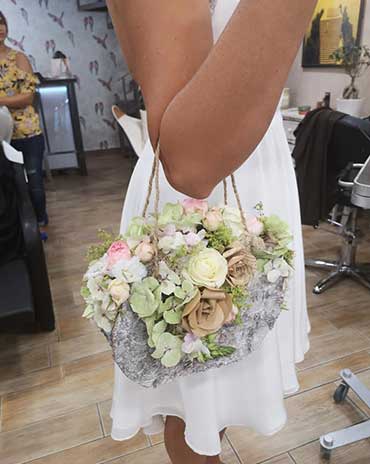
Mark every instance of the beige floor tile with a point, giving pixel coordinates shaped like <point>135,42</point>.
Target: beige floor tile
<point>95,452</point>
<point>320,325</point>
<point>17,341</point>
<point>72,325</point>
<point>89,363</point>
<point>50,436</point>
<point>338,344</point>
<point>33,379</point>
<point>156,439</point>
<point>78,347</point>
<point>310,414</point>
<point>104,409</point>
<point>20,360</point>
<point>358,453</point>
<point>153,455</point>
<point>284,459</point>
<point>329,372</point>
<point>53,399</point>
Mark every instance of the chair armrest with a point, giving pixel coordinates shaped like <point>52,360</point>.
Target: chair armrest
<point>34,254</point>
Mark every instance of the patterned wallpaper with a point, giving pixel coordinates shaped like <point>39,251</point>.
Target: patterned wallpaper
<point>39,27</point>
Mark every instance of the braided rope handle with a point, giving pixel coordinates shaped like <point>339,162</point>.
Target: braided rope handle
<point>154,180</point>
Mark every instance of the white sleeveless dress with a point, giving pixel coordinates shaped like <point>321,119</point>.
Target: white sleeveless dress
<point>251,392</point>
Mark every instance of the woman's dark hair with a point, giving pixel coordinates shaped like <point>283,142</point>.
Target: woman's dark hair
<point>3,20</point>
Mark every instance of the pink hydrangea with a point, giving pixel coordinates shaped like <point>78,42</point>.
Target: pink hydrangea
<point>191,205</point>
<point>118,251</point>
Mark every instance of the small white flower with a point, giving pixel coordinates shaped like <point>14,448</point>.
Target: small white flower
<point>172,242</point>
<point>131,271</point>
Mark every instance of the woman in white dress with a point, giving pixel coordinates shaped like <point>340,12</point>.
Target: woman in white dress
<point>211,93</point>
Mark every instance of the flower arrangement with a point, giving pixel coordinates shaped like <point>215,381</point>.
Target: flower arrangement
<point>185,274</point>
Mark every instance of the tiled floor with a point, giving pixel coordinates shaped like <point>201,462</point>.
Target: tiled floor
<point>55,388</point>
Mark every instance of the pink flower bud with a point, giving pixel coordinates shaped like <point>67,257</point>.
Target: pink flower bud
<point>145,252</point>
<point>195,206</point>
<point>254,225</point>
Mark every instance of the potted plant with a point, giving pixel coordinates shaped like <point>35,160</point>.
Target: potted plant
<point>355,60</point>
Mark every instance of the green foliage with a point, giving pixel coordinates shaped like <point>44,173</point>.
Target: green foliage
<point>277,230</point>
<point>145,297</point>
<point>97,251</point>
<point>168,349</point>
<point>239,296</point>
<point>220,239</point>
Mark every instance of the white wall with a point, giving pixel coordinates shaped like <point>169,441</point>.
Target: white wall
<point>308,86</point>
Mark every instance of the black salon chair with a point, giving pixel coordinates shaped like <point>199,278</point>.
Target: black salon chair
<point>348,150</point>
<point>25,297</point>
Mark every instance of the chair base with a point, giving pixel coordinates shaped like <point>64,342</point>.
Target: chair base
<point>360,273</point>
<point>352,434</point>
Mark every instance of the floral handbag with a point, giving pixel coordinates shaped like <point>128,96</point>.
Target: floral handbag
<point>188,288</point>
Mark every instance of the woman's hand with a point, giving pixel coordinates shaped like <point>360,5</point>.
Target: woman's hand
<point>211,105</point>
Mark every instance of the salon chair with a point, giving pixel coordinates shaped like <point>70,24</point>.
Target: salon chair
<point>349,149</point>
<point>360,197</point>
<point>25,297</point>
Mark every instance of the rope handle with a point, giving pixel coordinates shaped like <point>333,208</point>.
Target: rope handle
<point>154,180</point>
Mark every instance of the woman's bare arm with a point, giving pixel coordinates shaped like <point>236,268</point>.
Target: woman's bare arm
<point>20,100</point>
<point>211,105</point>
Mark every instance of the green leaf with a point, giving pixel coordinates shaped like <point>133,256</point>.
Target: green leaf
<point>173,316</point>
<point>89,312</point>
<point>168,287</point>
<point>158,330</point>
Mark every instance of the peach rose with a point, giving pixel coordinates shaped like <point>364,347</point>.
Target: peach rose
<point>242,265</point>
<point>207,312</point>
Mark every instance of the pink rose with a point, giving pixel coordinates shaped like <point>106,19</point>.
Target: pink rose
<point>195,206</point>
<point>118,251</point>
<point>254,225</point>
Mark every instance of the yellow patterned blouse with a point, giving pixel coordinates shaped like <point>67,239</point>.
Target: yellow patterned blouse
<point>15,81</point>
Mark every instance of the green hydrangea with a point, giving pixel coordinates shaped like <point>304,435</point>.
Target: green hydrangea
<point>171,214</point>
<point>145,297</point>
<point>277,230</point>
<point>168,349</point>
<point>137,229</point>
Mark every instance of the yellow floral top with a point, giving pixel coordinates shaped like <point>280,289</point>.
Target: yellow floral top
<point>15,81</point>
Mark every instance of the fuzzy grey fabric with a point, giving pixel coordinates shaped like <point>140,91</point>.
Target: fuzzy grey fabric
<point>132,354</point>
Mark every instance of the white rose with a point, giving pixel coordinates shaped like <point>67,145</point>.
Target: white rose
<point>145,252</point>
<point>119,291</point>
<point>233,220</point>
<point>213,220</point>
<point>208,269</point>
<point>254,225</point>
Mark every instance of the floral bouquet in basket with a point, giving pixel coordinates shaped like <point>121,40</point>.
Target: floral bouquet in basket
<point>185,275</point>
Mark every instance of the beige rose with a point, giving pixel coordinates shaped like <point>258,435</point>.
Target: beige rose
<point>119,291</point>
<point>145,252</point>
<point>242,265</point>
<point>207,312</point>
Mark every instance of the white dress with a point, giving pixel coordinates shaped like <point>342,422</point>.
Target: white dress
<point>251,392</point>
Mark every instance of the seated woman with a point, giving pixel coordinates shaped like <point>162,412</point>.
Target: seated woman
<point>17,90</point>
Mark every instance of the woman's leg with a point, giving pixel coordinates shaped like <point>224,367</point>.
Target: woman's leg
<point>177,449</point>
